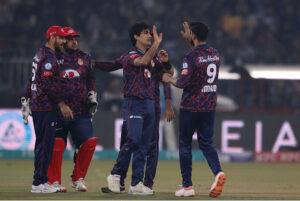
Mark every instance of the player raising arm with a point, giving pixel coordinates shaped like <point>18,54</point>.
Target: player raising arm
<point>199,77</point>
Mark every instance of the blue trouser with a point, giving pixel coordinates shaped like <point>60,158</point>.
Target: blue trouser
<point>139,116</point>
<point>44,126</point>
<point>203,122</point>
<point>80,128</point>
<point>152,155</point>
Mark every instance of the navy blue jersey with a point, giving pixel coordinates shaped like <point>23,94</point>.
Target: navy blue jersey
<point>44,91</point>
<point>199,77</point>
<point>137,80</point>
<point>77,79</point>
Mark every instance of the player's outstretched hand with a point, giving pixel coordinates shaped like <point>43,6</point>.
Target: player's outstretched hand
<point>66,111</point>
<point>186,34</point>
<point>166,77</point>
<point>163,56</point>
<point>157,38</point>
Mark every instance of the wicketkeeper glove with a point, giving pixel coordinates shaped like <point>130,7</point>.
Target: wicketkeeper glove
<point>92,96</point>
<point>26,111</point>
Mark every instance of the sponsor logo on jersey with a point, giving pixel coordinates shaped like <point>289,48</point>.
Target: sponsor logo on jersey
<point>132,52</point>
<point>135,117</point>
<point>185,65</point>
<point>133,56</point>
<point>80,62</point>
<point>147,73</point>
<point>47,73</point>
<point>184,72</point>
<point>48,66</point>
<point>60,61</point>
<point>70,73</point>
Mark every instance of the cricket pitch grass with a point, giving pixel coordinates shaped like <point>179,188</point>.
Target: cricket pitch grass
<point>245,181</point>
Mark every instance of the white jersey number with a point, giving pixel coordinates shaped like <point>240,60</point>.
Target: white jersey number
<point>211,73</point>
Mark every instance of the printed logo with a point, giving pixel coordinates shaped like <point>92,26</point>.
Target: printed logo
<point>135,117</point>
<point>185,65</point>
<point>147,73</point>
<point>13,133</point>
<point>48,66</point>
<point>132,52</point>
<point>133,56</point>
<point>60,61</point>
<point>184,72</point>
<point>80,62</point>
<point>70,73</point>
<point>47,73</point>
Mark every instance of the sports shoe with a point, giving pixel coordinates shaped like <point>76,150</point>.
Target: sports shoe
<point>185,192</point>
<point>122,189</point>
<point>140,189</point>
<point>59,186</point>
<point>114,183</point>
<point>106,189</point>
<point>217,186</point>
<point>44,188</point>
<point>79,185</point>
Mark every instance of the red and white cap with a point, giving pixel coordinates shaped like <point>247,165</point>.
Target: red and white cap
<point>71,32</point>
<point>55,31</point>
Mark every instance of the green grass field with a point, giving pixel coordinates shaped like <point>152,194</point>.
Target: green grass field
<point>244,181</point>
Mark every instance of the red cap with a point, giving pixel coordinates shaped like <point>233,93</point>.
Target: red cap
<point>71,32</point>
<point>55,31</point>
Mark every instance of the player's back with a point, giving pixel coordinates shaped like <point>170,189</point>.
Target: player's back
<point>201,92</point>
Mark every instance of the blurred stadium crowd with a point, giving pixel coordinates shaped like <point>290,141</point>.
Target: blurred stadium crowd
<point>257,31</point>
<point>244,32</point>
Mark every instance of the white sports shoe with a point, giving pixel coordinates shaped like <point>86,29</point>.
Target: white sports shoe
<point>217,187</point>
<point>185,192</point>
<point>79,185</point>
<point>44,188</point>
<point>140,189</point>
<point>59,186</point>
<point>114,183</point>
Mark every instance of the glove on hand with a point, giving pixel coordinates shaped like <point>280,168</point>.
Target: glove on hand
<point>26,111</point>
<point>92,97</point>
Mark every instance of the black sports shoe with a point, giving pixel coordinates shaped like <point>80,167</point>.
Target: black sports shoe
<point>106,189</point>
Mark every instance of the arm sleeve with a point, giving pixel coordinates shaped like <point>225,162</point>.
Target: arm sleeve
<point>27,89</point>
<point>167,90</point>
<point>91,81</point>
<point>109,66</point>
<point>186,74</point>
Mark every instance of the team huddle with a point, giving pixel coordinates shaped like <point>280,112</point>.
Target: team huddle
<point>61,96</point>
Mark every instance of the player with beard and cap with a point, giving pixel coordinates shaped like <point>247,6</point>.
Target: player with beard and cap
<point>42,98</point>
<point>79,90</point>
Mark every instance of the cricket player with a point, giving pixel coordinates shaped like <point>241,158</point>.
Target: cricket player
<point>199,77</point>
<point>138,107</point>
<point>43,98</point>
<point>152,155</point>
<point>79,91</point>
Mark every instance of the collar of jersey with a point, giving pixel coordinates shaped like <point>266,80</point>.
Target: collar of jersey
<point>199,47</point>
<point>137,49</point>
